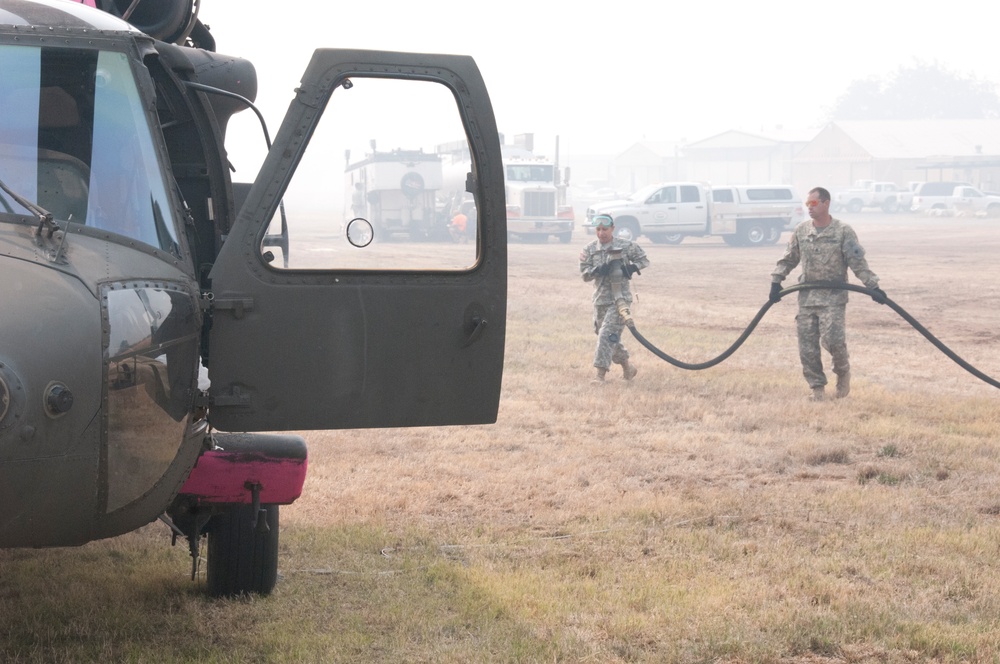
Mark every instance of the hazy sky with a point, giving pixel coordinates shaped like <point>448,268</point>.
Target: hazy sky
<point>619,72</point>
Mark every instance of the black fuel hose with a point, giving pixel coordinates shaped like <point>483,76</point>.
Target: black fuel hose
<point>829,285</point>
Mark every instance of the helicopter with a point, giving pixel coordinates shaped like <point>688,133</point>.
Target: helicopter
<point>164,329</point>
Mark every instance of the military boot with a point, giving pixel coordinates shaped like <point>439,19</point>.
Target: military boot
<point>818,394</point>
<point>599,379</point>
<point>628,370</point>
<point>843,385</point>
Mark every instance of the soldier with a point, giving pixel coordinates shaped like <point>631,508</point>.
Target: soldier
<point>610,263</point>
<point>826,247</point>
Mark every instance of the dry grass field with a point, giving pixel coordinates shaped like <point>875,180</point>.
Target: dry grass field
<point>710,516</point>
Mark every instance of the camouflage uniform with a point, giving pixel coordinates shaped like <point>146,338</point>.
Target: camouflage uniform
<point>608,324</point>
<point>825,254</point>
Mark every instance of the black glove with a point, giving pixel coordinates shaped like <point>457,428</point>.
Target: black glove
<point>601,270</point>
<point>878,295</point>
<point>629,270</point>
<point>775,294</point>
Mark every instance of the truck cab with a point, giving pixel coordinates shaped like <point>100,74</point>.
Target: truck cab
<point>969,200</point>
<point>662,212</point>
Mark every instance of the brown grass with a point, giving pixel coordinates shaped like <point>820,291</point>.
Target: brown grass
<point>685,516</point>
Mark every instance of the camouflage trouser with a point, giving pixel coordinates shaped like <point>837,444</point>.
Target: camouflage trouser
<point>822,325</point>
<point>608,326</point>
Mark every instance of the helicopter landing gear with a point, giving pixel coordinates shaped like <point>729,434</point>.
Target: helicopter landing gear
<point>243,551</point>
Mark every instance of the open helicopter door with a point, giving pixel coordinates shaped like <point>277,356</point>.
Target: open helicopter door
<point>388,306</point>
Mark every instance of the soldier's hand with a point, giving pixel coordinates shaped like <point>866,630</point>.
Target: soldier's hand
<point>775,294</point>
<point>601,270</point>
<point>629,270</point>
<point>879,295</point>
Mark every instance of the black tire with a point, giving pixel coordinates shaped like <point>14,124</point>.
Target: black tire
<point>626,229</point>
<point>668,238</point>
<point>773,236</point>
<point>241,559</point>
<point>855,205</point>
<point>565,238</point>
<point>756,234</point>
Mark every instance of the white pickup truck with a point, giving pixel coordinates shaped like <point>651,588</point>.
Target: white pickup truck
<point>969,200</point>
<point>743,215</point>
<point>869,194</point>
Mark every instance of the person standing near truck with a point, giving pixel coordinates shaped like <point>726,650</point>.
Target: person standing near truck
<point>610,263</point>
<point>826,247</point>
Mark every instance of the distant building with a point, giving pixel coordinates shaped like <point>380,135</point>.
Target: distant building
<point>900,151</point>
<point>647,162</point>
<point>738,157</point>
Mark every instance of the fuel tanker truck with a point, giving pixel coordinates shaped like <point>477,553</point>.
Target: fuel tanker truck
<point>396,192</point>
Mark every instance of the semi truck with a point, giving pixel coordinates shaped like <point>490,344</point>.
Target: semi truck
<point>535,188</point>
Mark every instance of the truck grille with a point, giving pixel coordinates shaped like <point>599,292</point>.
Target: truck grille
<point>539,204</point>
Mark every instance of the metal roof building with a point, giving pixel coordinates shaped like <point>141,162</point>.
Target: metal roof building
<point>900,151</point>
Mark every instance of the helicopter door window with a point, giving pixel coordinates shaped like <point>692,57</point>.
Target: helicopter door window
<point>381,185</point>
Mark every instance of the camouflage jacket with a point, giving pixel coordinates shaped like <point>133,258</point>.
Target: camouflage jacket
<point>594,255</point>
<point>825,254</point>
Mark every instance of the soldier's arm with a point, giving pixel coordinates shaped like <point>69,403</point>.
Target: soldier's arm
<point>586,265</point>
<point>788,261</point>
<point>637,256</point>
<point>854,253</point>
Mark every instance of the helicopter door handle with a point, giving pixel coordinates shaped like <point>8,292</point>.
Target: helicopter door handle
<point>478,326</point>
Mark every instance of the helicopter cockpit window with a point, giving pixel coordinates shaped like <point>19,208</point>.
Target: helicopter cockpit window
<point>76,141</point>
<point>381,185</point>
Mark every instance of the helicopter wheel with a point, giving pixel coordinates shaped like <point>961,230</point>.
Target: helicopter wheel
<point>241,558</point>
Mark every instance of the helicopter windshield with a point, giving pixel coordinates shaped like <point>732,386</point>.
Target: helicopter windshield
<point>76,140</point>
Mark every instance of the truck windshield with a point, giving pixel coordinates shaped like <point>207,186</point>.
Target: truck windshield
<point>529,173</point>
<point>75,140</point>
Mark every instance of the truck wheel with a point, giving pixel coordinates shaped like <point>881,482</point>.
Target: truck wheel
<point>773,235</point>
<point>565,238</point>
<point>855,205</point>
<point>626,229</point>
<point>667,238</point>
<point>241,558</point>
<point>755,234</point>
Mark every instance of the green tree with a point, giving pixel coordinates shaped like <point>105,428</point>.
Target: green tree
<point>920,92</point>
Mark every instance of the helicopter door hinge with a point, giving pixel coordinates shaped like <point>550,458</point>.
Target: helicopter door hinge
<point>238,305</point>
<point>201,399</point>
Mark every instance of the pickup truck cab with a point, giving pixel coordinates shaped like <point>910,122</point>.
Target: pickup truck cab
<point>743,215</point>
<point>887,196</point>
<point>662,212</point>
<point>935,197</point>
<point>969,200</point>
